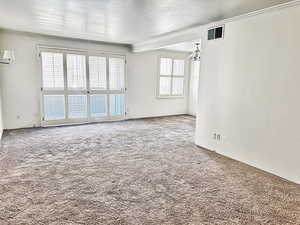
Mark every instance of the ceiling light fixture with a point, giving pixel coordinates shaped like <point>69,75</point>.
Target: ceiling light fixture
<point>7,57</point>
<point>195,56</point>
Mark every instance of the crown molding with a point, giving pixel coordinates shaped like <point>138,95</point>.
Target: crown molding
<point>195,32</point>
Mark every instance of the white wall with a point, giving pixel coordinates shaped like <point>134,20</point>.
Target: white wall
<point>250,91</point>
<point>21,80</point>
<point>1,119</point>
<point>143,83</point>
<point>194,87</point>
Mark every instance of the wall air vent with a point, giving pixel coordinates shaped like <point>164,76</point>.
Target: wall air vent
<point>215,33</point>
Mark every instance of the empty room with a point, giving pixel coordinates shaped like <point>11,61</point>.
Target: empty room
<point>140,112</point>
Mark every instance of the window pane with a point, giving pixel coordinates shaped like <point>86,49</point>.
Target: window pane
<point>116,73</point>
<point>178,86</point>
<point>165,86</point>
<point>98,105</point>
<point>219,32</point>
<point>53,70</point>
<point>97,68</point>
<point>178,68</point>
<point>165,66</point>
<point>76,71</point>
<point>211,34</point>
<point>54,107</point>
<point>77,106</point>
<point>116,104</point>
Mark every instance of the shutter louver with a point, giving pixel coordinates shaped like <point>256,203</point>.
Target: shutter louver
<point>52,71</point>
<point>97,69</point>
<point>77,106</point>
<point>116,73</point>
<point>76,72</point>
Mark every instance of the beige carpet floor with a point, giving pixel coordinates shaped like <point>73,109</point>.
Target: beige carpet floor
<point>139,172</point>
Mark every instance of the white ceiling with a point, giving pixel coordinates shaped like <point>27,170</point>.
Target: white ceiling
<point>120,21</point>
<point>187,46</point>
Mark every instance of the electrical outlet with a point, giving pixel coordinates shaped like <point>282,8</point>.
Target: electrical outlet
<point>217,137</point>
<point>214,136</point>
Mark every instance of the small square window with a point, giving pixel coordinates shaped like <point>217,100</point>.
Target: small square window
<point>211,34</point>
<point>219,32</point>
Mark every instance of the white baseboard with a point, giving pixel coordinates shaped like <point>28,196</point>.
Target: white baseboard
<point>133,117</point>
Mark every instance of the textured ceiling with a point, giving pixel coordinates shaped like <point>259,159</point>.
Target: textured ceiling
<point>121,21</point>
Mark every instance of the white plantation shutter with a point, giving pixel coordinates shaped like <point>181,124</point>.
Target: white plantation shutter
<point>76,71</point>
<point>177,88</point>
<point>116,73</point>
<point>171,80</point>
<point>97,69</point>
<point>52,71</point>
<point>165,86</point>
<point>165,66</point>
<point>77,106</point>
<point>178,67</point>
<point>54,107</point>
<point>117,104</point>
<point>98,105</point>
<point>78,87</point>
<point>178,77</point>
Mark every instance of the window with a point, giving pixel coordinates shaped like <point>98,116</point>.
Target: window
<point>215,33</point>
<point>76,71</point>
<point>54,107</point>
<point>171,77</point>
<point>97,67</point>
<point>79,87</point>
<point>98,105</point>
<point>117,104</point>
<point>53,71</point>
<point>116,73</point>
<point>77,106</point>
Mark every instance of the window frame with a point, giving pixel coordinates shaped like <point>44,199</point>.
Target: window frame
<point>171,96</point>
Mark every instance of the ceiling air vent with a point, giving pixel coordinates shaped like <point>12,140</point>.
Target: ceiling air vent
<point>215,33</point>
